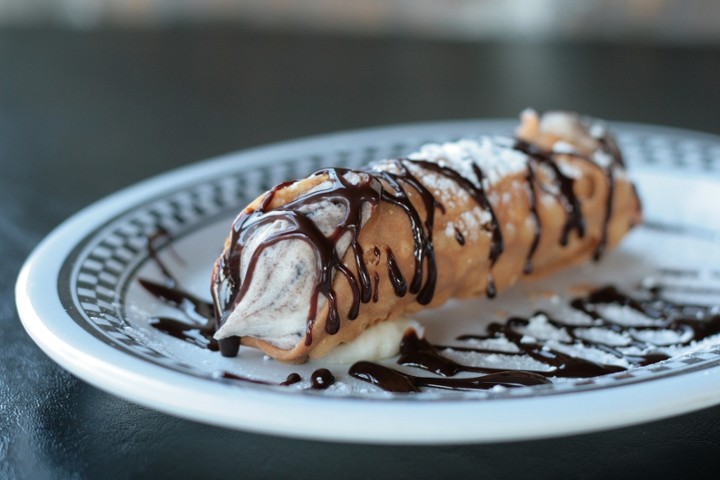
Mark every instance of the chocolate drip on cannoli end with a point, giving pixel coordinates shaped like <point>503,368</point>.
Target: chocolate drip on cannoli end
<point>229,347</point>
<point>353,197</point>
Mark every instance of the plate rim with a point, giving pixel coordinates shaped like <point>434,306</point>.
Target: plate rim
<point>99,365</point>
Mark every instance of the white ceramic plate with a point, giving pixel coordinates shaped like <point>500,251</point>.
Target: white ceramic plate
<point>79,299</point>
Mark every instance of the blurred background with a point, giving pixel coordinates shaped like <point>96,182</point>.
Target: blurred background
<point>169,82</point>
<point>136,87</point>
<point>662,21</point>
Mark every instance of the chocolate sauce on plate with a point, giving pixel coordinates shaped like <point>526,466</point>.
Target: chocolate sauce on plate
<point>291,379</point>
<point>690,323</point>
<point>199,335</point>
<point>396,381</point>
<point>197,324</point>
<point>321,379</point>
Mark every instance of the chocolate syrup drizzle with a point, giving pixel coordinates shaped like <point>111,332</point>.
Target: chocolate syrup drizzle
<point>392,380</point>
<point>566,191</point>
<point>575,221</point>
<point>320,379</point>
<point>197,326</point>
<point>390,185</point>
<point>291,379</point>
<point>422,232</point>
<point>533,201</point>
<point>690,323</point>
<point>161,233</point>
<point>229,285</point>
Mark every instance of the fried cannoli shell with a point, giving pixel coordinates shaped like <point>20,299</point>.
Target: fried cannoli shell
<point>464,270</point>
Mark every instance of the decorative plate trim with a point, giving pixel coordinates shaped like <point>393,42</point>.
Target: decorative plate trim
<point>94,278</point>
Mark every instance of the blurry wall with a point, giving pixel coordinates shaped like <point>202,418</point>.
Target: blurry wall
<point>657,21</point>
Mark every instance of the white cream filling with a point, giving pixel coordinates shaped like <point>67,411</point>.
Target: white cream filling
<point>380,341</point>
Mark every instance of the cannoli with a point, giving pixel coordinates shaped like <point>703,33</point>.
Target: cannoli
<point>314,263</point>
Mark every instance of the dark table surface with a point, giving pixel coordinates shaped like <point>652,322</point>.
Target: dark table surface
<point>83,114</point>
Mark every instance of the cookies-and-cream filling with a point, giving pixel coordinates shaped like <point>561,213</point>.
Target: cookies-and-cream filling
<point>275,305</point>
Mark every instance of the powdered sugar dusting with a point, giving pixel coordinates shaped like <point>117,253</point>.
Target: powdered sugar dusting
<point>541,329</point>
<point>444,189</point>
<point>494,155</point>
<point>450,229</point>
<point>569,170</point>
<point>563,147</point>
<point>470,222</point>
<point>602,158</point>
<point>496,360</point>
<point>597,129</point>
